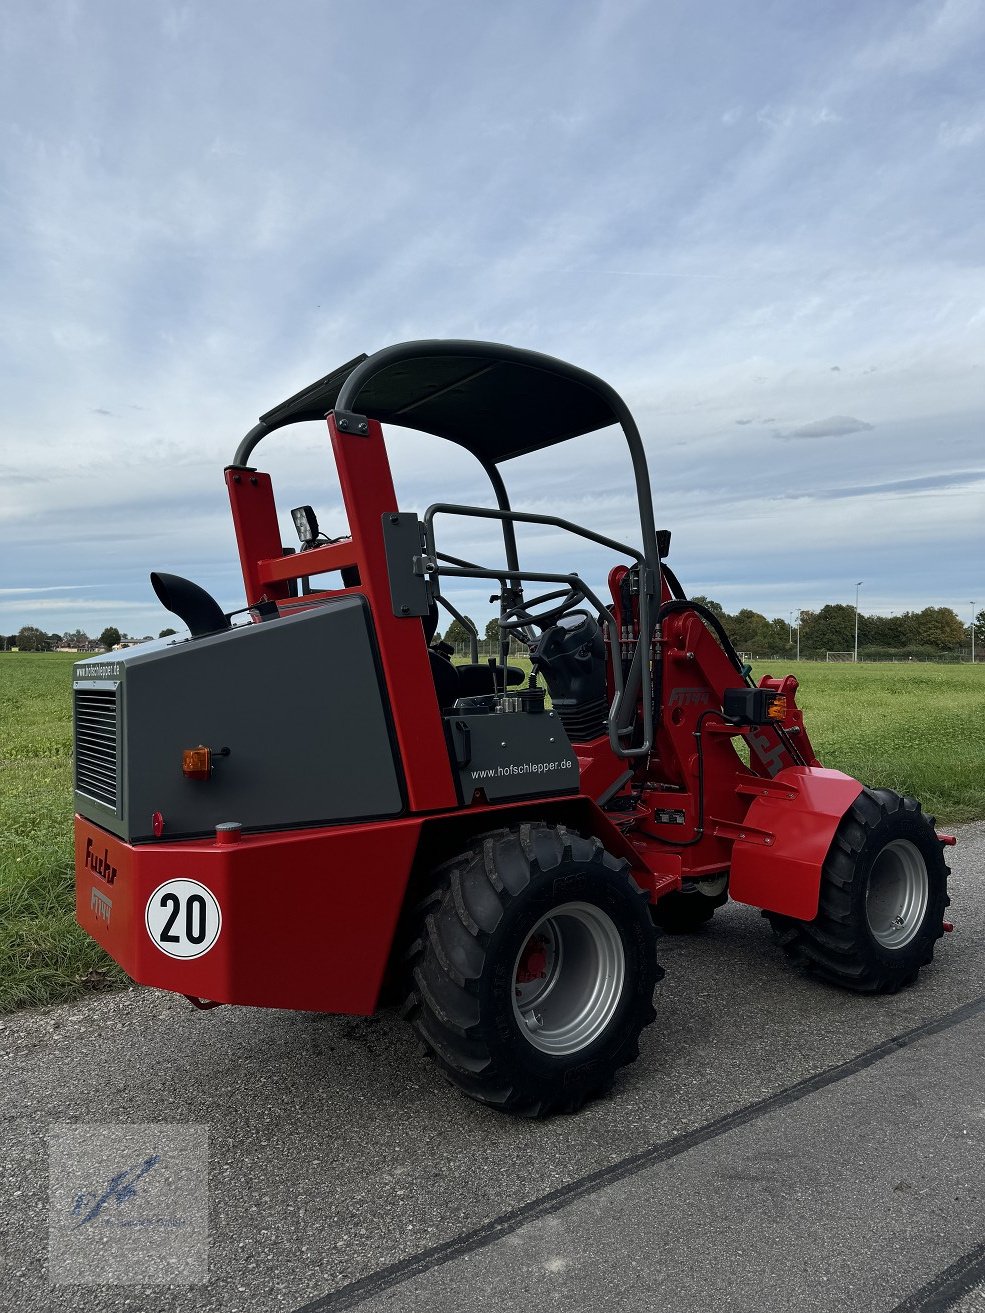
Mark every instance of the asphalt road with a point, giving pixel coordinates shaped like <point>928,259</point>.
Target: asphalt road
<point>779,1145</point>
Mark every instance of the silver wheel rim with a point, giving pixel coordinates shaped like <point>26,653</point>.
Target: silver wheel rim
<point>897,894</point>
<point>568,978</point>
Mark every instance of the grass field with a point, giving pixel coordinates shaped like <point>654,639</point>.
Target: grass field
<point>44,956</point>
<point>915,728</point>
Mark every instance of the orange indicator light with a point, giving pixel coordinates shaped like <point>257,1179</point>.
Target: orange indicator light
<point>778,709</point>
<point>196,763</point>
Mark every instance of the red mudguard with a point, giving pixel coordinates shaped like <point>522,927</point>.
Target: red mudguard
<point>785,837</point>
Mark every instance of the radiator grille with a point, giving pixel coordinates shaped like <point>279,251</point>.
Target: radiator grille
<point>96,742</point>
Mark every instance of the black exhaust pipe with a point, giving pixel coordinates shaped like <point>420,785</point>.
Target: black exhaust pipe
<point>191,604</point>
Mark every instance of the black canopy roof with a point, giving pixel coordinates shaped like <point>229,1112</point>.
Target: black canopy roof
<point>497,401</point>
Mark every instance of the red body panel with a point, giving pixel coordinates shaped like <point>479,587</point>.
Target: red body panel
<point>307,916</point>
<point>785,837</point>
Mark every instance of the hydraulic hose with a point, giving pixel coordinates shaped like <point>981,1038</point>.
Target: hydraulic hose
<point>682,604</point>
<point>674,582</point>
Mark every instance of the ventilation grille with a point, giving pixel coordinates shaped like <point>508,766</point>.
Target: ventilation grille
<point>96,745</point>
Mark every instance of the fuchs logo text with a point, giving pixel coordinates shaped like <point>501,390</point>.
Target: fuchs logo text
<point>100,866</point>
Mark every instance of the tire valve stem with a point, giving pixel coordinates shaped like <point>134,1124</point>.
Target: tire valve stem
<point>534,1021</point>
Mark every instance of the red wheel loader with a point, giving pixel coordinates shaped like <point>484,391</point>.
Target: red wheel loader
<point>316,808</point>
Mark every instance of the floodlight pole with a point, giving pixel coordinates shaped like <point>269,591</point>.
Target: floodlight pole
<point>798,635</point>
<point>857,587</point>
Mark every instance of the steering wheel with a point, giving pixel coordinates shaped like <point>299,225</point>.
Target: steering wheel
<point>516,618</point>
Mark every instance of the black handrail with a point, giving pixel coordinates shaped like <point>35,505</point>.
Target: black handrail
<point>640,665</point>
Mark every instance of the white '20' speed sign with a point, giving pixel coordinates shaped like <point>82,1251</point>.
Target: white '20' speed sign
<point>183,918</point>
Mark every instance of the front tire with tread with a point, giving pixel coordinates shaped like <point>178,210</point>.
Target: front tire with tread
<point>885,854</point>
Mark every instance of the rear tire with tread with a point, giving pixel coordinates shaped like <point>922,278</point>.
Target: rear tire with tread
<point>479,920</point>
<point>882,898</point>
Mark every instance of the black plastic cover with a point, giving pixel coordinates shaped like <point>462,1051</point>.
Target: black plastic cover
<point>299,702</point>
<point>312,402</point>
<point>750,706</point>
<point>497,401</point>
<point>496,407</point>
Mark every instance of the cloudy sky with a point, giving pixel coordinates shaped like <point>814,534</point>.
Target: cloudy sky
<point>762,222</point>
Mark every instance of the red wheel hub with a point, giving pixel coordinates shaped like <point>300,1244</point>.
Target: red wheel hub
<point>533,963</point>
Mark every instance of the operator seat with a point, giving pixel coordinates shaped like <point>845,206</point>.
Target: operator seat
<point>444,674</point>
<point>474,680</point>
<point>466,680</point>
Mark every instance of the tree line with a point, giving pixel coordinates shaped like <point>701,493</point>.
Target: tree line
<point>31,639</point>
<point>934,631</point>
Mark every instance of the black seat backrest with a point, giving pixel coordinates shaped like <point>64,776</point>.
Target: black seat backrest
<point>474,680</point>
<point>445,677</point>
<point>444,674</point>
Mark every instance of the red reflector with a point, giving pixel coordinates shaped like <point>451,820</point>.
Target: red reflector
<point>157,821</point>
<point>196,763</point>
<point>948,840</point>
<point>948,926</point>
